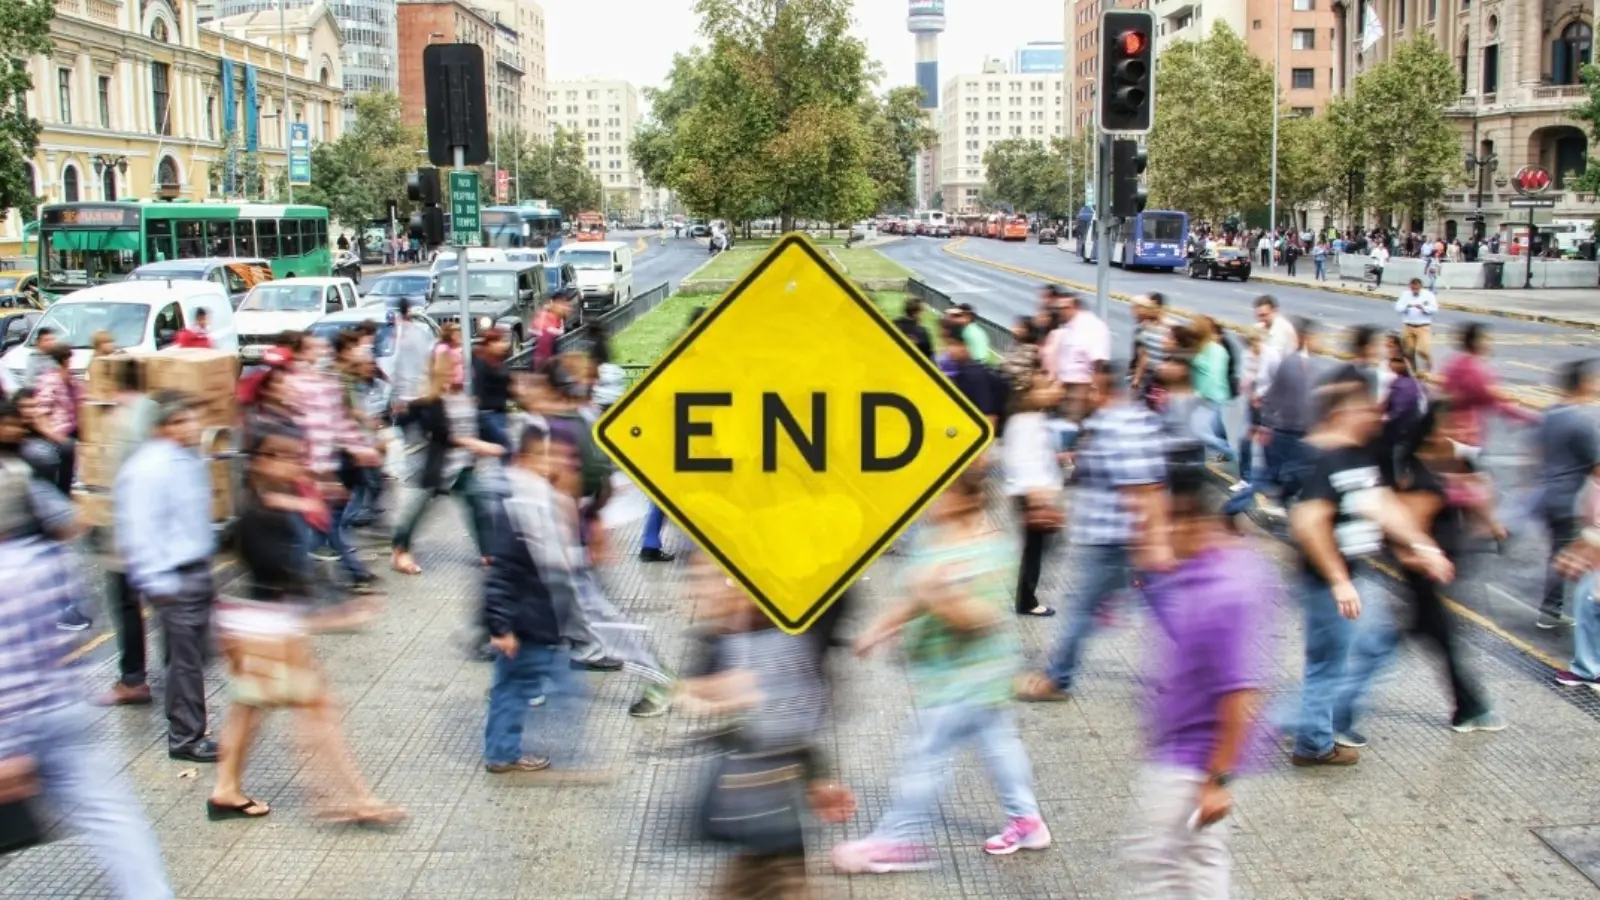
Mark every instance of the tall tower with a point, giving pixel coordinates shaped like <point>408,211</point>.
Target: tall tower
<point>926,20</point>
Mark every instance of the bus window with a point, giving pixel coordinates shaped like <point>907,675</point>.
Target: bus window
<point>244,237</point>
<point>219,238</point>
<point>267,238</point>
<point>191,240</point>
<point>157,239</point>
<point>321,234</point>
<point>289,236</point>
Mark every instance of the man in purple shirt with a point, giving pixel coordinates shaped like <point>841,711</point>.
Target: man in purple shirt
<point>1211,611</point>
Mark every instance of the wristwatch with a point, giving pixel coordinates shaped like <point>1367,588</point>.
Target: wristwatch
<point>1220,779</point>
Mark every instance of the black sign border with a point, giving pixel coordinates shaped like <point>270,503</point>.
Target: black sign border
<point>831,595</point>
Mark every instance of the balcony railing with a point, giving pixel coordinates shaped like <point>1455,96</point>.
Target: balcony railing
<point>1560,92</point>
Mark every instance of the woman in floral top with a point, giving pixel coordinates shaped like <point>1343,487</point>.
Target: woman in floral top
<point>58,395</point>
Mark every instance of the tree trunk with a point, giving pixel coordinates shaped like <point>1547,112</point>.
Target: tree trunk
<point>786,219</point>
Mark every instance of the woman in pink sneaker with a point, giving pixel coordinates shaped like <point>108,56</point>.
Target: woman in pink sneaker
<point>961,646</point>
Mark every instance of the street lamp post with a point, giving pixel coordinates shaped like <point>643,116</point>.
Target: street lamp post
<point>104,161</point>
<point>283,45</point>
<point>1482,165</point>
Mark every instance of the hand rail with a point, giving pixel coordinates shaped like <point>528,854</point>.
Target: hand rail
<point>614,321</point>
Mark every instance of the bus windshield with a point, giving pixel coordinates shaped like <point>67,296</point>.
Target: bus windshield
<point>79,258</point>
<point>75,324</point>
<point>280,297</point>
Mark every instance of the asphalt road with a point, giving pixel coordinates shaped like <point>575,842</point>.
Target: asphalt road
<point>1504,589</point>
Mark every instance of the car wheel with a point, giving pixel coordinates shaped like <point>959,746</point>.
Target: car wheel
<point>356,277</point>
<point>516,341</point>
<point>1243,278</point>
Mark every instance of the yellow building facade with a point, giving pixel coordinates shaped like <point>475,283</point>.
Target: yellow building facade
<point>137,100</point>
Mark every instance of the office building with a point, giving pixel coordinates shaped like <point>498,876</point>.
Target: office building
<point>1300,33</point>
<point>604,113</point>
<point>117,125</point>
<point>1039,58</point>
<point>367,28</point>
<point>1518,65</point>
<point>980,109</point>
<point>424,22</point>
<point>1082,57</point>
<point>526,19</point>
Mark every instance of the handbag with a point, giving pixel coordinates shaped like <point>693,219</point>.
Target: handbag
<point>752,801</point>
<point>1044,512</point>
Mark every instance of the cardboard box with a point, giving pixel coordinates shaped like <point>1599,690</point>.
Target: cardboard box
<point>202,374</point>
<point>219,412</point>
<point>94,508</point>
<point>106,374</point>
<point>95,465</point>
<point>97,422</point>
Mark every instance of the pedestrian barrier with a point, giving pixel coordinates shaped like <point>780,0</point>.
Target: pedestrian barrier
<point>1000,337</point>
<point>613,322</point>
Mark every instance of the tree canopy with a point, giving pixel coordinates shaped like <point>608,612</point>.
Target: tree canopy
<point>357,175</point>
<point>1395,133</point>
<point>1588,112</point>
<point>1034,177</point>
<point>775,116</point>
<point>24,32</point>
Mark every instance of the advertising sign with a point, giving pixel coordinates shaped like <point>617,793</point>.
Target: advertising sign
<point>299,153</point>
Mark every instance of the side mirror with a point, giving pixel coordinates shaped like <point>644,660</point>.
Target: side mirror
<point>617,267</point>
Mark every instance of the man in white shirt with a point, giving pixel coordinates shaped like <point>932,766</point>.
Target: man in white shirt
<point>1417,307</point>
<point>1281,336</point>
<point>1264,249</point>
<point>1379,259</point>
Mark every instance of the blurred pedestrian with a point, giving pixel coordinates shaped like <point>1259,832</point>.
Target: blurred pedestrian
<point>1033,481</point>
<point>491,387</point>
<point>1211,611</point>
<point>131,424</point>
<point>196,335</point>
<point>59,397</point>
<point>162,502</point>
<point>961,652</point>
<point>1569,451</point>
<point>1472,390</point>
<point>266,645</point>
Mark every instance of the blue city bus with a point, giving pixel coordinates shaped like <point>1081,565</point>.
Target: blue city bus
<point>1154,239</point>
<point>508,227</point>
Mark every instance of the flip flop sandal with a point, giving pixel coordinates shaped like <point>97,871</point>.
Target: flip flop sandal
<point>219,812</point>
<point>372,815</point>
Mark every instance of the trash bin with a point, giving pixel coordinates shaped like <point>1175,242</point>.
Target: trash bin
<point>1494,274</point>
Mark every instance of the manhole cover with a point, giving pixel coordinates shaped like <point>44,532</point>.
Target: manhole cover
<point>1577,844</point>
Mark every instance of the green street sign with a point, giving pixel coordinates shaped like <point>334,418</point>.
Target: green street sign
<point>465,227</point>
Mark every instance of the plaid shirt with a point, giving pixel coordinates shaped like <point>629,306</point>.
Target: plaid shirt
<point>1122,446</point>
<point>58,400</point>
<point>41,579</point>
<point>318,403</point>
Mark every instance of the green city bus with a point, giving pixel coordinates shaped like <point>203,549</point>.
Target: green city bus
<point>85,244</point>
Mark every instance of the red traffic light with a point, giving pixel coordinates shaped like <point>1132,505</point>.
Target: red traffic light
<point>1132,43</point>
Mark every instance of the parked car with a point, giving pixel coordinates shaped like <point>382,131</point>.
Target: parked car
<point>1223,263</point>
<point>1047,236</point>
<point>18,283</point>
<point>346,264</point>
<point>500,295</point>
<point>236,274</point>
<point>940,231</point>
<point>390,289</point>
<point>289,305</point>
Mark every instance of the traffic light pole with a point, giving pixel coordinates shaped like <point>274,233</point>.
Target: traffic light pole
<point>462,292</point>
<point>1102,211</point>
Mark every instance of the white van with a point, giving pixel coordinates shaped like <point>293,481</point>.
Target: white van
<point>142,316</point>
<point>445,260</point>
<point>289,305</point>
<point>604,270</point>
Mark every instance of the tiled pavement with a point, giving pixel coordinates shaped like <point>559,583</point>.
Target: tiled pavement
<point>1427,814</point>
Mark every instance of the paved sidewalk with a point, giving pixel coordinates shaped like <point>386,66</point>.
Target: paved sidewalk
<point>1427,814</point>
<point>1574,307</point>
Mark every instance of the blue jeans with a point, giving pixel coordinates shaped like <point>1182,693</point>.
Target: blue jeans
<point>1586,630</point>
<point>1100,570</point>
<point>1321,266</point>
<point>1280,461</point>
<point>75,775</point>
<point>337,539</point>
<point>536,669</point>
<point>492,428</point>
<point>941,732</point>
<point>652,529</point>
<point>1342,658</point>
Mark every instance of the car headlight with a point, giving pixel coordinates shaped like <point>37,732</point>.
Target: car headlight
<point>485,323</point>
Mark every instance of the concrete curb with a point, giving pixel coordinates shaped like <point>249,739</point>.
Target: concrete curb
<point>953,249</point>
<point>1540,318</point>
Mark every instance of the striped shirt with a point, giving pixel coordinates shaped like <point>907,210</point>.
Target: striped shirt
<point>41,579</point>
<point>319,410</point>
<point>1122,446</point>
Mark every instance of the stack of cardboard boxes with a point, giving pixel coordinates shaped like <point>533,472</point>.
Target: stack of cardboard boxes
<point>209,377</point>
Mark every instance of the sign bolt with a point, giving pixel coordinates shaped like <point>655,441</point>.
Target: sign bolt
<point>949,432</point>
<point>635,431</point>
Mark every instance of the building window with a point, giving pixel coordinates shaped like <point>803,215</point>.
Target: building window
<point>1571,53</point>
<point>1300,111</point>
<point>1304,5</point>
<point>69,184</point>
<point>64,95</point>
<point>1491,68</point>
<point>105,101</point>
<point>1433,9</point>
<point>1303,79</point>
<point>108,184</point>
<point>161,96</point>
<point>1303,39</point>
<point>211,118</point>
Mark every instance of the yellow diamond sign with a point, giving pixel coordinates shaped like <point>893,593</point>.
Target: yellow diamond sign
<point>793,432</point>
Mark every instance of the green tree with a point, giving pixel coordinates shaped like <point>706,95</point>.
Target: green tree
<point>1033,177</point>
<point>573,188</point>
<point>1306,170</point>
<point>1409,150</point>
<point>897,132</point>
<point>24,32</point>
<point>1588,112</point>
<point>1211,147</point>
<point>357,175</point>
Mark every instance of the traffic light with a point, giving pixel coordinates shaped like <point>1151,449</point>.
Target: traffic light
<point>427,223</point>
<point>1127,71</point>
<point>1128,161</point>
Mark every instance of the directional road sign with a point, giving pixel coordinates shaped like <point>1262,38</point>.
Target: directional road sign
<point>464,225</point>
<point>793,432</point>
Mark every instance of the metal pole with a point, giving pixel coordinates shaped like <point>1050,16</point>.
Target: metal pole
<point>1527,278</point>
<point>461,287</point>
<point>283,43</point>
<point>1272,207</point>
<point>1102,252</point>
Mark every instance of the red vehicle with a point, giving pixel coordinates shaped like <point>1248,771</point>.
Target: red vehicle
<point>1015,229</point>
<point>992,226</point>
<point>591,226</point>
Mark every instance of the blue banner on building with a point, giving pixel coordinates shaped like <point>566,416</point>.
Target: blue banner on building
<point>230,123</point>
<point>252,112</point>
<point>299,153</point>
<point>928,80</point>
